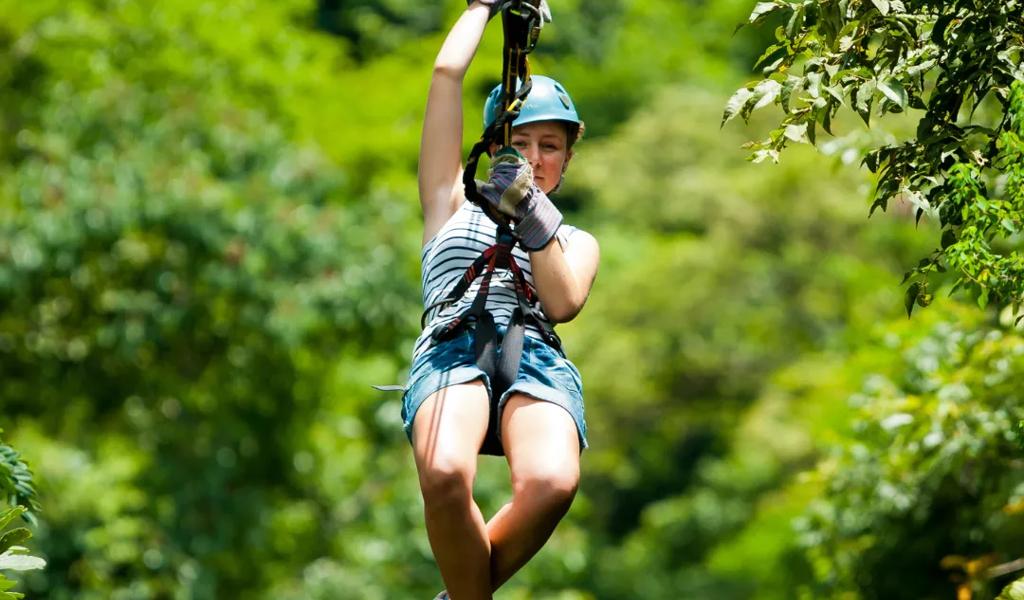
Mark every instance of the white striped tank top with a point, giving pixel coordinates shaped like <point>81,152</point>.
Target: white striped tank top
<point>445,259</point>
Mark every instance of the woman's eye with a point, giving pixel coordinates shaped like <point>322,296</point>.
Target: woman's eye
<point>519,144</point>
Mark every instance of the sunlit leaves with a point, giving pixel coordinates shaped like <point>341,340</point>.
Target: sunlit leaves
<point>894,91</point>
<point>888,56</point>
<point>763,9</point>
<point>736,103</point>
<point>16,485</point>
<point>14,557</point>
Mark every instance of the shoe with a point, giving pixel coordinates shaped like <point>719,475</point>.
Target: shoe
<point>442,596</point>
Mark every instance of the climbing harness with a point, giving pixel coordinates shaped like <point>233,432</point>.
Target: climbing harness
<point>501,367</point>
<point>522,21</point>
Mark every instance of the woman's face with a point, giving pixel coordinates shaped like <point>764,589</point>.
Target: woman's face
<point>544,144</point>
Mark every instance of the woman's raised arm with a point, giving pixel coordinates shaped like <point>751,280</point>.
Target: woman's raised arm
<point>440,163</point>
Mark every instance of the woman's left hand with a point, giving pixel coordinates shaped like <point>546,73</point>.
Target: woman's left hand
<point>513,193</point>
<point>509,182</point>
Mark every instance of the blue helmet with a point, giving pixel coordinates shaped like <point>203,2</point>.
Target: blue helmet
<point>547,101</point>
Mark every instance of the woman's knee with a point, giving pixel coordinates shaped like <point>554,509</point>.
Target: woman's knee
<point>553,485</point>
<point>446,439</point>
<point>446,480</point>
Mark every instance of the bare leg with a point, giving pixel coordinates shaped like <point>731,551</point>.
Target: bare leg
<point>447,432</point>
<point>543,453</point>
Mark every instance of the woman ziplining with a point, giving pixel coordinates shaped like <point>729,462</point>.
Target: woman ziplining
<point>489,374</point>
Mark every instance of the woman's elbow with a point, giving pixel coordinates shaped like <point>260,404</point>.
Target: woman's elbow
<point>449,71</point>
<point>566,311</point>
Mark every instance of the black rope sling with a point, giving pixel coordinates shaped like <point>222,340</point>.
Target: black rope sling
<point>521,23</point>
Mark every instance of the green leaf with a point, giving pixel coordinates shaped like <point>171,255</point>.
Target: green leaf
<point>882,6</point>
<point>813,85</point>
<point>768,53</point>
<point>797,132</point>
<point>983,298</point>
<point>894,92</point>
<point>774,66</point>
<point>862,103</point>
<point>765,154</point>
<point>826,121</point>
<point>766,91</point>
<point>763,9</point>
<point>735,103</point>
<point>787,92</point>
<point>836,92</point>
<point>6,584</point>
<point>13,537</point>
<point>871,160</point>
<point>13,560</point>
<point>795,21</point>
<point>921,67</point>
<point>9,515</point>
<point>880,202</point>
<point>910,297</point>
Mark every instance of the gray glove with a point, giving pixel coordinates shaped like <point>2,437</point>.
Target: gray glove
<point>510,189</point>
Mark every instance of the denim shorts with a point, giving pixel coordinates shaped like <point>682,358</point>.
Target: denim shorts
<point>544,373</point>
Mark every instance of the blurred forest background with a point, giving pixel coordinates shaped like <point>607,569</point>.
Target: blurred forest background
<point>209,250</point>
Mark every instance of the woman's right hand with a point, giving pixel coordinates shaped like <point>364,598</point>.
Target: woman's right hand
<point>495,6</point>
<point>511,190</point>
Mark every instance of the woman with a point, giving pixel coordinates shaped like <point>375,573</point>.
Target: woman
<point>446,407</point>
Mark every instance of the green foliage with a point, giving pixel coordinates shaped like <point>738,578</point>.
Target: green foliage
<point>18,494</point>
<point>959,63</point>
<point>176,268</point>
<point>208,251</point>
<point>16,484</point>
<point>931,469</point>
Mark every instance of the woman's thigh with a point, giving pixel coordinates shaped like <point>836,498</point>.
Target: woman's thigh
<point>541,442</point>
<point>450,426</point>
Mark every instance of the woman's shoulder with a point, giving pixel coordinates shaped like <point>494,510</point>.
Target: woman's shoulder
<point>570,233</point>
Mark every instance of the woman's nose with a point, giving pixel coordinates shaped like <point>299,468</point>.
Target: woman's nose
<point>532,155</point>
